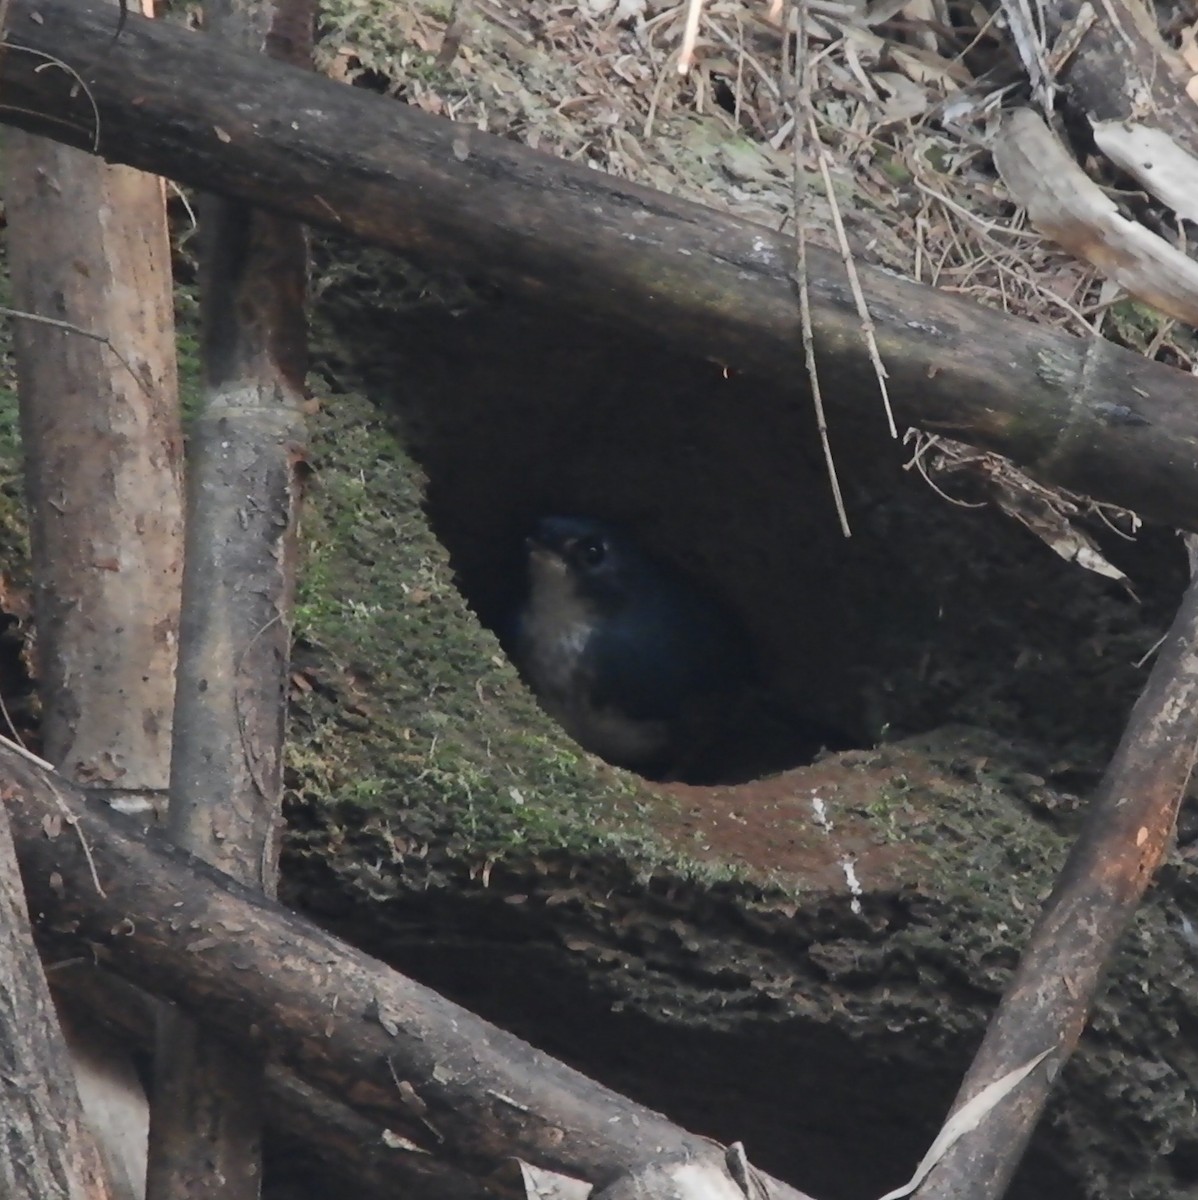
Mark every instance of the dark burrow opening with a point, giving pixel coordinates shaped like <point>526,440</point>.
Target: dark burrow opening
<point>934,611</point>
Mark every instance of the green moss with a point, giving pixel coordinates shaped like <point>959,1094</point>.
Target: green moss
<point>448,744</point>
<point>187,351</point>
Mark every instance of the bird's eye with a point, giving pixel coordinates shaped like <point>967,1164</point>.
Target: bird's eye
<point>590,551</point>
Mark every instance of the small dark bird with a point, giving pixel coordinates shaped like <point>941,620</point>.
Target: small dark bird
<point>626,653</point>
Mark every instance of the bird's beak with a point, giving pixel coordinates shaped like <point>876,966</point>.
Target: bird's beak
<point>542,557</point>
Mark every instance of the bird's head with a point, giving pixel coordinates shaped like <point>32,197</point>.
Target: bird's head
<point>596,559</point>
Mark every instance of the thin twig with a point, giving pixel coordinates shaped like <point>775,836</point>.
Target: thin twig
<point>846,255</point>
<point>690,35</point>
<point>68,817</point>
<point>50,60</point>
<point>68,327</point>
<point>798,78</point>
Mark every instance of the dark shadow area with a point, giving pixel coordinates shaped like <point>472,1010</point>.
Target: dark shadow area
<point>840,1118</point>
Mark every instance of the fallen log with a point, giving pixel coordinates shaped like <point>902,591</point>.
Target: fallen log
<point>453,1085</point>
<point>1085,415</point>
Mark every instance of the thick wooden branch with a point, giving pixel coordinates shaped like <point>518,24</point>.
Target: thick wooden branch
<point>46,1152</point>
<point>355,1151</point>
<point>102,441</point>
<point>244,490</point>
<point>397,1052</point>
<point>1084,415</point>
<point>1048,1001</point>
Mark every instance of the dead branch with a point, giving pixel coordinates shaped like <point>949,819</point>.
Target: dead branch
<point>1064,204</point>
<point>452,1084</point>
<point>1048,1001</point>
<point>1083,415</point>
<point>45,1154</point>
<point>359,1154</point>
<point>238,584</point>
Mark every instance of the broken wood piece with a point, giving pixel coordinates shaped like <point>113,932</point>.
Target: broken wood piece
<point>1064,204</point>
<point>1151,157</point>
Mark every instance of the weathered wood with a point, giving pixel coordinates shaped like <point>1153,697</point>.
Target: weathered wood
<point>244,490</point>
<point>102,438</point>
<point>45,1153</point>
<point>103,445</point>
<point>394,1050</point>
<point>355,1151</point>
<point>1082,414</point>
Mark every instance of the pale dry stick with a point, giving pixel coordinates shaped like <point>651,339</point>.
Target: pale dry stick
<point>1160,641</point>
<point>690,35</point>
<point>1100,511</point>
<point>740,70</point>
<point>658,86</point>
<point>796,71</point>
<point>67,327</point>
<point>1027,32</point>
<point>1158,338</point>
<point>977,37</point>
<point>868,329</point>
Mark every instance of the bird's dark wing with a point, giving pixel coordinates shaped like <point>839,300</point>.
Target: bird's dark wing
<point>657,655</point>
